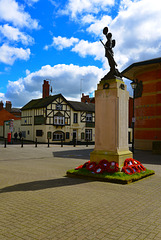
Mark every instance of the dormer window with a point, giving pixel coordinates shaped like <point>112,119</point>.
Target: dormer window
<point>59,107</point>
<point>89,117</point>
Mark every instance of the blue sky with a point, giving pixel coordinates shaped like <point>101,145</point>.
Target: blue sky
<point>59,41</point>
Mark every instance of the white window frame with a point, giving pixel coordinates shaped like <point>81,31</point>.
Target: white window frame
<point>88,134</point>
<point>57,136</point>
<point>89,117</point>
<point>59,120</point>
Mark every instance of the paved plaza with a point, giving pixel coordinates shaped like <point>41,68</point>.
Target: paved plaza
<point>37,201</point>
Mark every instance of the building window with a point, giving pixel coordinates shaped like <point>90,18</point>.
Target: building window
<point>88,134</point>
<point>48,135</point>
<point>89,117</point>
<point>82,136</point>
<point>39,133</point>
<point>28,132</point>
<point>67,135</point>
<point>58,135</point>
<point>59,107</point>
<point>58,120</point>
<point>75,118</point>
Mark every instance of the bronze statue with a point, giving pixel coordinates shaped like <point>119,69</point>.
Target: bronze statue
<point>110,55</point>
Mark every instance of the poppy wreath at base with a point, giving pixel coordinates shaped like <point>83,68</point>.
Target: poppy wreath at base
<point>82,166</point>
<point>128,170</point>
<point>99,169</point>
<point>91,166</point>
<point>104,164</point>
<point>136,168</point>
<point>129,162</point>
<point>132,166</point>
<point>112,167</point>
<point>141,167</point>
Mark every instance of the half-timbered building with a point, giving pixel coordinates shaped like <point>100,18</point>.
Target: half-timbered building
<point>55,118</point>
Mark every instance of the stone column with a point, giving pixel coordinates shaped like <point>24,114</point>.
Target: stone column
<point>111,122</point>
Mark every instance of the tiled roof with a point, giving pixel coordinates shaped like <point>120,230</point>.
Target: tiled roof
<point>5,116</point>
<point>44,102</point>
<point>81,106</point>
<point>41,102</point>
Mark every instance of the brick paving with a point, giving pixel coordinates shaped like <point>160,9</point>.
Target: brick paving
<point>38,202</point>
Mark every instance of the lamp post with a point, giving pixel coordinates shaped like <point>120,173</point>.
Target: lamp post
<point>133,85</point>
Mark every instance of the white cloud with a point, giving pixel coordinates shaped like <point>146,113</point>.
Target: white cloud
<point>138,36</point>
<point>13,34</point>
<point>84,48</point>
<point>62,42</point>
<point>14,13</point>
<point>87,19</point>
<point>98,24</point>
<point>65,79</point>
<point>75,7</point>
<point>8,54</point>
<point>31,2</point>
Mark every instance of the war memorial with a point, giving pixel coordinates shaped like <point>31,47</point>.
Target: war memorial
<point>111,153</point>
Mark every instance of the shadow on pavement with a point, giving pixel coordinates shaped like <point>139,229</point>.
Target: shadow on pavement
<point>77,153</point>
<point>43,184</point>
<point>147,157</point>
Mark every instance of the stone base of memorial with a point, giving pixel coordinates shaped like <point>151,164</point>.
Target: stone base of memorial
<point>111,123</point>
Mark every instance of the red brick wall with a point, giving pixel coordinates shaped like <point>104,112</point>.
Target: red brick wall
<point>148,107</point>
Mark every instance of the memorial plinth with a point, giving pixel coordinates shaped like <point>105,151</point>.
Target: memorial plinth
<point>111,123</point>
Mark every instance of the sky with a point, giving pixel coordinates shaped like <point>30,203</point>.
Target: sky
<point>59,41</point>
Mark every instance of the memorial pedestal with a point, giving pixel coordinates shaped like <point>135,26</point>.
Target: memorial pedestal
<point>111,123</point>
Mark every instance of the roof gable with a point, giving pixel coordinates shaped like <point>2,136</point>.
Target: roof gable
<point>44,102</point>
<point>41,102</point>
<point>5,116</point>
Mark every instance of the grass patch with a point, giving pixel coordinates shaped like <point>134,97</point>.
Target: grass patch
<point>118,177</point>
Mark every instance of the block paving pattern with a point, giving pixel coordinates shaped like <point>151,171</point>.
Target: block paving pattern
<point>38,202</point>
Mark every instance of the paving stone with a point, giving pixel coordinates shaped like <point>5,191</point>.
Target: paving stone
<point>38,203</point>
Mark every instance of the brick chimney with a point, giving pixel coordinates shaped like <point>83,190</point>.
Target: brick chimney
<point>1,105</point>
<point>8,106</point>
<point>85,98</point>
<point>45,90</point>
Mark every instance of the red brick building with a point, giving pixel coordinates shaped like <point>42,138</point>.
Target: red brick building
<point>148,106</point>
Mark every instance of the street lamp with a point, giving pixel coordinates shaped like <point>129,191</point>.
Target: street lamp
<point>134,84</point>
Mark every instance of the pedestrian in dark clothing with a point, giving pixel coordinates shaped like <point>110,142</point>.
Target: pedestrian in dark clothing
<point>20,135</point>
<point>15,136</point>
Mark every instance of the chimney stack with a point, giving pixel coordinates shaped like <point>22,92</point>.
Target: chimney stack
<point>8,106</point>
<point>46,87</point>
<point>1,105</point>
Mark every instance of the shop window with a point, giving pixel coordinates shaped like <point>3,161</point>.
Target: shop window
<point>58,135</point>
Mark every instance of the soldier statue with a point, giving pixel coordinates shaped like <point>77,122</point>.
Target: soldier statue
<point>110,55</point>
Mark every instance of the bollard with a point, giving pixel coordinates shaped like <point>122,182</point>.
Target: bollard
<point>22,142</point>
<point>5,143</point>
<point>61,142</point>
<point>48,142</point>
<point>36,142</point>
<point>74,142</point>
